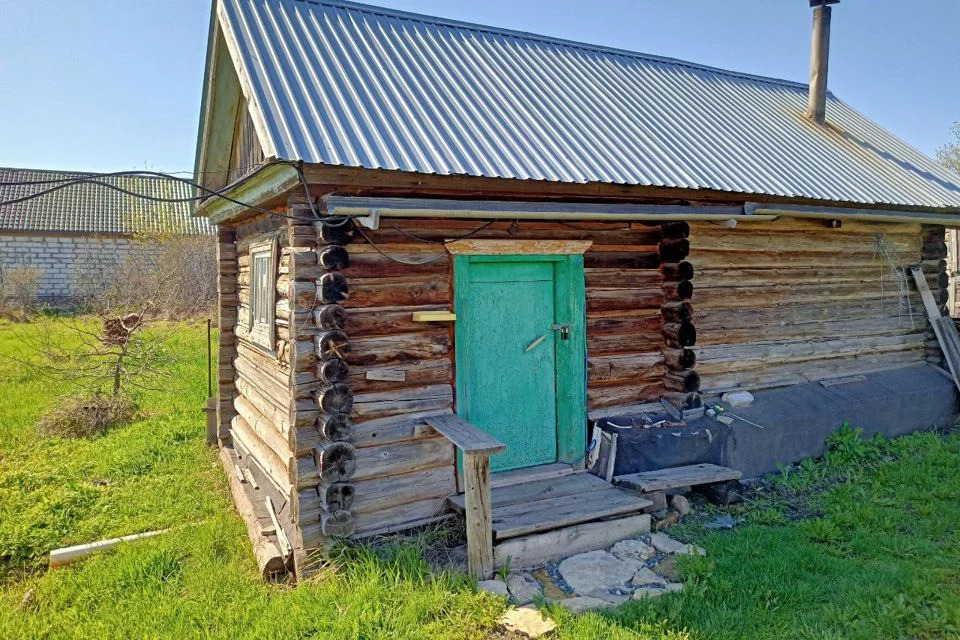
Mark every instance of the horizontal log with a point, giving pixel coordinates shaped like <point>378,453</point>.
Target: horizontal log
<point>599,397</point>
<point>404,347</point>
<point>798,373</point>
<point>600,345</point>
<point>403,457</point>
<point>646,367</point>
<point>400,518</point>
<point>623,299</point>
<point>728,358</point>
<point>401,401</point>
<point>813,329</point>
<point>638,321</point>
<point>400,292</point>
<point>413,374</point>
<point>279,471</point>
<point>375,265</point>
<point>621,260</point>
<point>383,431</point>
<point>622,278</point>
<point>385,321</point>
<point>378,494</point>
<point>444,230</point>
<point>275,436</point>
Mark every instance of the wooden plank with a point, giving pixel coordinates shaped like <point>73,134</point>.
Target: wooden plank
<point>531,474</point>
<point>476,476</point>
<point>674,477</point>
<point>944,328</point>
<point>573,484</point>
<point>568,510</point>
<point>530,551</point>
<point>464,435</point>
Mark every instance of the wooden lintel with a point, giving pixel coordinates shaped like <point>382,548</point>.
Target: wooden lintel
<point>518,247</point>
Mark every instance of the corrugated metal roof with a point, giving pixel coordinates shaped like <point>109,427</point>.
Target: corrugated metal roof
<point>338,83</point>
<point>88,208</point>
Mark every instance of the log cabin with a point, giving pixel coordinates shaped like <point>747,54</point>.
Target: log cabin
<point>446,250</point>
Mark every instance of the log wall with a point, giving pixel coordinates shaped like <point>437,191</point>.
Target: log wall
<point>795,300</point>
<point>401,370</point>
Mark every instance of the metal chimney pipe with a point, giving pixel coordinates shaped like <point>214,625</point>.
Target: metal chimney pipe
<point>819,60</point>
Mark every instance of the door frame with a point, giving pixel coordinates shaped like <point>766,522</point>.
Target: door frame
<point>570,355</point>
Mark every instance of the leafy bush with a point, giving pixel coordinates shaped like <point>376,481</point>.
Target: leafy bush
<point>86,415</point>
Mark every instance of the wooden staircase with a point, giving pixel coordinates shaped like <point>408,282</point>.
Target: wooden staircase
<point>535,521</point>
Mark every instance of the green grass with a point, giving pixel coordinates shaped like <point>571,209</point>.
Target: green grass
<point>879,559</point>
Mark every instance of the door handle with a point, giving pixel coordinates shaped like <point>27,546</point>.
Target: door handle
<point>564,330</point>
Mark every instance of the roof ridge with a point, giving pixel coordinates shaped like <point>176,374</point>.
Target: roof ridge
<point>104,174</point>
<point>527,35</point>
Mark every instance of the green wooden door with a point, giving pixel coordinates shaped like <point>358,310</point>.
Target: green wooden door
<point>518,377</point>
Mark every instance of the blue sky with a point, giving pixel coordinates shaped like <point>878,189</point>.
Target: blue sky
<point>105,85</point>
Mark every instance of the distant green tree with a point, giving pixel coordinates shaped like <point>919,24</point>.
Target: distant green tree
<point>949,154</point>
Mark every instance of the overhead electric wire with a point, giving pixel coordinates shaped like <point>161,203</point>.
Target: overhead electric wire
<point>332,221</point>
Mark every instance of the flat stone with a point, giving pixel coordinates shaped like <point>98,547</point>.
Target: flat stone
<point>527,620</point>
<point>648,592</point>
<point>632,550</point>
<point>666,544</point>
<point>737,398</point>
<point>644,577</point>
<point>597,571</point>
<point>583,603</point>
<point>496,587</point>
<point>550,589</point>
<point>674,587</point>
<point>681,505</point>
<point>668,568</point>
<point>523,588</point>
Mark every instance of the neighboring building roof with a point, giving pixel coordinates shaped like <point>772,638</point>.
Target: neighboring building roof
<point>338,83</point>
<point>89,208</point>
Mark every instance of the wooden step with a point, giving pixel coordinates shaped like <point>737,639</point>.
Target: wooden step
<point>553,503</point>
<point>535,549</point>
<point>675,477</point>
<point>540,489</point>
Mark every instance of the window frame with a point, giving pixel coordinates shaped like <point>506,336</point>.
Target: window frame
<point>263,333</point>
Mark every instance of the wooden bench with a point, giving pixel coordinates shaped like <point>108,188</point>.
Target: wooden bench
<point>477,446</point>
<point>673,478</point>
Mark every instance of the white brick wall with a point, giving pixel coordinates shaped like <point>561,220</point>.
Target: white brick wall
<point>71,265</point>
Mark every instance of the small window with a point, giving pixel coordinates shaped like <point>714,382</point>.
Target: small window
<point>262,290</point>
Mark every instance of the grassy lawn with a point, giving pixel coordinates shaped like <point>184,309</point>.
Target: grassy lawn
<point>875,555</point>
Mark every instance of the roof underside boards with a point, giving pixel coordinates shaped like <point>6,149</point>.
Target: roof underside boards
<point>353,85</point>
<point>89,208</point>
